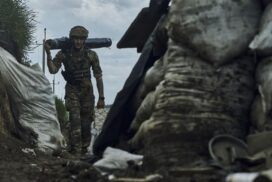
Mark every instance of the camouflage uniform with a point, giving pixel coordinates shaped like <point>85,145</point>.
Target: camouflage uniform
<point>79,97</point>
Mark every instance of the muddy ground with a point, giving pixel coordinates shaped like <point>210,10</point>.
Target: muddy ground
<point>17,164</point>
<point>20,162</point>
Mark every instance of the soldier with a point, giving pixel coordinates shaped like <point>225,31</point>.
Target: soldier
<point>79,97</point>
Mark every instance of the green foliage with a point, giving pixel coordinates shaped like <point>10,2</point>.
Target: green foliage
<point>19,22</point>
<point>61,112</point>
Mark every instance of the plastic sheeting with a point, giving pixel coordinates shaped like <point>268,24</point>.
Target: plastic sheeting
<point>31,94</point>
<point>116,159</point>
<point>263,176</point>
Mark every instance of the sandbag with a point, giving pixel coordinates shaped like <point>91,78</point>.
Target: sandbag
<point>261,108</point>
<point>154,75</point>
<point>32,97</point>
<point>217,30</point>
<point>258,117</point>
<point>196,101</point>
<point>262,42</point>
<point>144,98</point>
<point>264,82</point>
<point>144,111</point>
<point>138,140</point>
<point>138,97</point>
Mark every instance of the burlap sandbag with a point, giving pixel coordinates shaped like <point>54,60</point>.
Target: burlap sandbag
<point>196,101</point>
<point>264,82</point>
<point>218,30</point>
<point>261,119</point>
<point>262,42</point>
<point>144,111</point>
<point>152,78</point>
<point>138,97</point>
<point>154,75</point>
<point>143,100</point>
<point>258,117</point>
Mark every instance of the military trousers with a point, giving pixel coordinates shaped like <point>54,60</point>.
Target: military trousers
<point>79,101</point>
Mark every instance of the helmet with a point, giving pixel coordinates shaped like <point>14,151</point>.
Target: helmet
<point>78,31</point>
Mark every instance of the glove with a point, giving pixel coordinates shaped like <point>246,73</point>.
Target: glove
<point>47,48</point>
<point>100,103</point>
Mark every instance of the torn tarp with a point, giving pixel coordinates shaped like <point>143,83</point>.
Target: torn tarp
<point>121,115</point>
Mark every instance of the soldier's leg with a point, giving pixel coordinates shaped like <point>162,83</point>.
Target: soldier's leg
<point>72,105</point>
<point>87,117</point>
<point>75,130</point>
<point>86,120</point>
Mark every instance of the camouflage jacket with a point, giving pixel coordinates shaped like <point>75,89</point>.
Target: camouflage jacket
<point>78,64</point>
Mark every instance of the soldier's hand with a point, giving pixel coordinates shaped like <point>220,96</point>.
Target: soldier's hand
<point>100,104</point>
<point>47,47</point>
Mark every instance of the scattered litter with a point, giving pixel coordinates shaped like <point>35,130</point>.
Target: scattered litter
<point>149,178</point>
<point>29,151</point>
<point>73,177</point>
<point>116,159</point>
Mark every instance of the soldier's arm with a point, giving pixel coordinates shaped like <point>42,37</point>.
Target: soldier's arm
<point>97,73</point>
<point>55,64</point>
<point>100,88</point>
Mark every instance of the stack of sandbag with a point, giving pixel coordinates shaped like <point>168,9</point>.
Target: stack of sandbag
<point>208,85</point>
<point>195,102</point>
<point>262,46</point>
<point>146,95</point>
<point>148,84</point>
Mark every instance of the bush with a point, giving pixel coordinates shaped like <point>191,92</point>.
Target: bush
<point>61,113</point>
<point>18,22</point>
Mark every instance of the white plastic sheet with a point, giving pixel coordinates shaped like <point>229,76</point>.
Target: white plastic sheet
<point>32,96</point>
<point>263,176</point>
<point>114,159</point>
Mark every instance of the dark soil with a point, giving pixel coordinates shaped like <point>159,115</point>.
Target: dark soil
<point>16,165</point>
